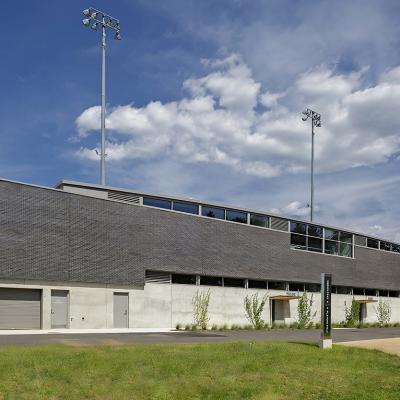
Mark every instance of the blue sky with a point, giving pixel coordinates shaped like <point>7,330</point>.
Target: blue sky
<point>205,99</point>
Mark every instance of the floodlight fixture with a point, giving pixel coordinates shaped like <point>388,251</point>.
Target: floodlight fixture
<point>315,122</point>
<point>106,21</point>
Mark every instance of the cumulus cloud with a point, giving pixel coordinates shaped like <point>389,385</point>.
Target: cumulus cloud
<point>228,118</point>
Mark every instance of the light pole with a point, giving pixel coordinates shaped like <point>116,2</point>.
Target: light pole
<point>94,18</point>
<point>315,121</point>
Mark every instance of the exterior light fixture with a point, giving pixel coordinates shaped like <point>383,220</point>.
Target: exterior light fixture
<point>106,21</point>
<point>315,122</point>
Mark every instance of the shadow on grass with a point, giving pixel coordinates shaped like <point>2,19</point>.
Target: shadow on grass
<point>309,344</point>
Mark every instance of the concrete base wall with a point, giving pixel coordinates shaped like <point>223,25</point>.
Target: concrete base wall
<point>165,305</point>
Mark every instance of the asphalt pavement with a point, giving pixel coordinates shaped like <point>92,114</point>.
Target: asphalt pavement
<point>287,335</point>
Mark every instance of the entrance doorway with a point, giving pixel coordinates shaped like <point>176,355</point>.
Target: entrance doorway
<point>59,308</point>
<point>280,308</point>
<point>121,310</point>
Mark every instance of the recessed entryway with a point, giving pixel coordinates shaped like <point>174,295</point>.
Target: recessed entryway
<point>121,310</point>
<point>20,308</point>
<point>59,308</point>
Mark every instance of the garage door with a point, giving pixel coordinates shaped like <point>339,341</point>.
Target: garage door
<point>19,308</point>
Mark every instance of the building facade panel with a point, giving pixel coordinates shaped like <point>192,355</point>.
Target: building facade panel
<point>54,235</point>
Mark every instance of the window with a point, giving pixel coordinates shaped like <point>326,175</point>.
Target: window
<point>155,202</point>
<point>276,285</point>
<point>341,289</point>
<point>373,243</point>
<point>298,227</point>
<point>315,231</point>
<point>358,291</point>
<point>233,282</point>
<point>393,293</point>
<point>386,246</point>
<point>298,241</point>
<point>370,292</point>
<point>184,279</point>
<point>346,237</point>
<point>253,284</point>
<point>345,249</point>
<point>314,244</point>
<point>396,248</point>
<point>186,207</point>
<point>236,216</point>
<point>312,287</point>
<point>383,293</point>
<point>210,281</point>
<point>331,234</point>
<point>296,287</point>
<point>259,220</point>
<point>331,247</point>
<point>312,238</point>
<point>213,212</point>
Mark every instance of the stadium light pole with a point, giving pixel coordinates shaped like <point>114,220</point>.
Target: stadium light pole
<point>94,18</point>
<point>315,122</point>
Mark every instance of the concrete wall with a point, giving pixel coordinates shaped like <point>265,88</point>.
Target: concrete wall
<point>165,305</point>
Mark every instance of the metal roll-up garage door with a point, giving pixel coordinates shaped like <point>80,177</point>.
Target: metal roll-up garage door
<point>20,308</point>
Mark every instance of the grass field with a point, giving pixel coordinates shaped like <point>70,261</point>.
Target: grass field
<point>204,371</point>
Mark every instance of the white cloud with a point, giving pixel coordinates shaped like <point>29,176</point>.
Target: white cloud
<point>228,119</point>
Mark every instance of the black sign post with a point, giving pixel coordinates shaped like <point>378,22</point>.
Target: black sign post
<point>326,293</point>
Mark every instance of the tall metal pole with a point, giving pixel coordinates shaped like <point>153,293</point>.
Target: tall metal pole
<point>103,107</point>
<point>312,170</point>
<point>93,19</point>
<point>315,122</point>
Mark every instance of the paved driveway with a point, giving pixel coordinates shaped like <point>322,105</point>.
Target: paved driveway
<point>339,335</point>
<point>391,346</point>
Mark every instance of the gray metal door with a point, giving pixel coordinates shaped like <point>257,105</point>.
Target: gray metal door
<point>20,308</point>
<point>121,310</point>
<point>59,308</point>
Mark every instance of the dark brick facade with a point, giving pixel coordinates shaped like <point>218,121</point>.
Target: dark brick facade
<point>52,235</point>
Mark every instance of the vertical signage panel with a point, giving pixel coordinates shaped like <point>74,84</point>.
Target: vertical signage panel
<point>326,292</point>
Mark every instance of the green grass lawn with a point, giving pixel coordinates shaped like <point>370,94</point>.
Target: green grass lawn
<point>261,370</point>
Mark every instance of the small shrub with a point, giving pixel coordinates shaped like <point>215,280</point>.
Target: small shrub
<point>214,327</point>
<point>188,327</point>
<point>254,308</point>
<point>178,327</point>
<point>304,310</point>
<point>383,312</point>
<point>200,302</point>
<point>317,325</point>
<point>352,314</point>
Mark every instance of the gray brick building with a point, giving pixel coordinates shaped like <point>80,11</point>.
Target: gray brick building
<point>84,256</point>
